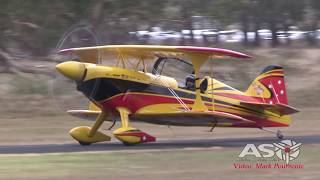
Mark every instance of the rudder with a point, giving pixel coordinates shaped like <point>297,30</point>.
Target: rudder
<point>269,86</point>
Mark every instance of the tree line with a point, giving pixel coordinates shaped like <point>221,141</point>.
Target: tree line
<point>34,26</point>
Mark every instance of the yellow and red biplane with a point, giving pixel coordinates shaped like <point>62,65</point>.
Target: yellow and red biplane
<point>154,97</point>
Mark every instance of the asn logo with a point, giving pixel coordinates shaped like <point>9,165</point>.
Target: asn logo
<point>286,150</point>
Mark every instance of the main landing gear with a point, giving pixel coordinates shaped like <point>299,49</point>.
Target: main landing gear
<point>278,133</point>
<point>128,135</point>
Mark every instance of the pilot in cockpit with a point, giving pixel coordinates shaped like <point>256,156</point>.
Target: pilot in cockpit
<point>190,82</point>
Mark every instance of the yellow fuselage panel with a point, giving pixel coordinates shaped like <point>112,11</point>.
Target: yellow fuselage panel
<point>96,71</point>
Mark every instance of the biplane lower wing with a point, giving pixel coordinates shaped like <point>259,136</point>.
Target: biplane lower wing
<point>84,114</point>
<point>174,118</point>
<point>279,108</point>
<point>192,118</point>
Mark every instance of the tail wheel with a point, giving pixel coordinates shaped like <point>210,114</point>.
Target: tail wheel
<point>280,135</point>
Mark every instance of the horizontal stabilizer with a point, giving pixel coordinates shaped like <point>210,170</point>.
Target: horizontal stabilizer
<point>279,108</point>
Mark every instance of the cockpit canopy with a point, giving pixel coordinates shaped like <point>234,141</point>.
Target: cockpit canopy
<point>177,68</point>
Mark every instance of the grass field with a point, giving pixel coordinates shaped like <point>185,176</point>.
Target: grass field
<point>174,164</point>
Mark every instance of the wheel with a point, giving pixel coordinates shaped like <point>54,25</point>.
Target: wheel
<point>84,143</point>
<point>128,144</point>
<point>280,136</point>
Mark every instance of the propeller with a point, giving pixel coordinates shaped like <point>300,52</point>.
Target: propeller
<point>63,90</point>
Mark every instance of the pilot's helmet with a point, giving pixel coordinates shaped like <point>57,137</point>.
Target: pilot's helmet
<point>190,81</point>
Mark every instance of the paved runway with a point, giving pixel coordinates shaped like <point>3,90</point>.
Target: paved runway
<point>161,144</point>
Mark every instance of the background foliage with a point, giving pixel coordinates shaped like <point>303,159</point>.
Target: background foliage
<point>33,27</point>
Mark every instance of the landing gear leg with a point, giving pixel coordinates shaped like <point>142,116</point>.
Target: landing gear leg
<point>100,119</point>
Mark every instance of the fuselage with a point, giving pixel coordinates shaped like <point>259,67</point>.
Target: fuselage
<point>145,93</point>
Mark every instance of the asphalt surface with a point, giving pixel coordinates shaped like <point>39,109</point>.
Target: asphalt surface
<point>159,145</point>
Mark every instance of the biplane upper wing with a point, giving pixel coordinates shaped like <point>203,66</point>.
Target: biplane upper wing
<point>278,108</point>
<point>92,54</point>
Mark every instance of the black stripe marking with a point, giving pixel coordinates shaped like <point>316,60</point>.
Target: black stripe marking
<point>103,88</point>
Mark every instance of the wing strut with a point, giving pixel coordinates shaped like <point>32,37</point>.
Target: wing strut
<point>212,84</point>
<point>198,60</point>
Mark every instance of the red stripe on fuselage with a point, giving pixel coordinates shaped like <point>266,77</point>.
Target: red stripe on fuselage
<point>136,101</point>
